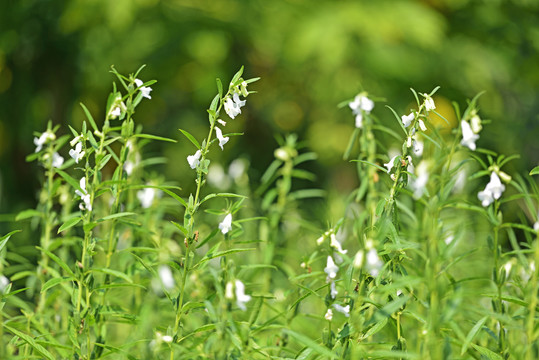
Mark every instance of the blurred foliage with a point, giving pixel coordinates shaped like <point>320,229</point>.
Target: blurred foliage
<point>310,57</point>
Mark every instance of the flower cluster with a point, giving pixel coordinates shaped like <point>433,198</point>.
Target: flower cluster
<point>391,164</point>
<point>470,131</point>
<point>420,182</point>
<point>77,153</point>
<point>241,297</point>
<point>360,105</point>
<point>493,190</point>
<point>146,196</point>
<point>43,139</point>
<point>233,105</point>
<point>85,197</point>
<point>373,264</point>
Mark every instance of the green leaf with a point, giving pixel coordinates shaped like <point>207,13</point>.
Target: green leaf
<point>471,335</point>
<point>117,215</point>
<point>213,105</point>
<point>371,164</point>
<point>307,194</point>
<point>191,138</point>
<point>154,137</point>
<point>237,76</point>
<point>311,344</point>
<point>176,197</point>
<point>74,183</point>
<point>211,196</point>
<point>219,87</point>
<point>374,329</point>
<point>181,228</point>
<point>53,282</point>
<point>104,161</point>
<point>69,224</point>
<point>59,261</point>
<point>489,354</point>
<point>115,273</point>
<point>89,117</point>
<point>4,239</point>
<point>351,143</point>
<point>210,256</point>
<point>535,171</point>
<point>192,305</point>
<point>30,341</point>
<point>25,214</point>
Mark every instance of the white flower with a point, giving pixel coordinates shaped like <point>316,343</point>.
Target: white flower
<point>536,226</point>
<point>329,315</point>
<point>468,136</point>
<point>233,106</point>
<point>336,244</point>
<point>333,291</point>
<point>419,184</point>
<point>331,269</point>
<point>407,119</point>
<point>165,274</point>
<point>77,153</point>
<point>389,165</point>
<point>418,147</point>
<point>236,169</point>
<point>342,309</point>
<point>485,197</point>
<point>167,338</point>
<point>43,139</point>
<point>143,89</point>
<point>226,225</point>
<point>429,103</point>
<point>4,283</point>
<point>129,166</point>
<point>57,160</point>
<point>222,140</point>
<point>194,160</point>
<point>507,267</point>
<point>359,120</point>
<point>229,290</point>
<point>493,190</point>
<point>495,186</point>
<point>221,121</point>
<point>241,298</point>
<point>360,103</point>
<point>117,111</point>
<point>85,197</point>
<point>358,259</point>
<point>146,196</point>
<point>422,125</point>
<point>374,264</point>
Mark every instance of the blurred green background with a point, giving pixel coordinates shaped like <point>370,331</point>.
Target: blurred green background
<point>311,55</point>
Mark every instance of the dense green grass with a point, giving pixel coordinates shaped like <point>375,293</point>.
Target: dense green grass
<point>419,264</point>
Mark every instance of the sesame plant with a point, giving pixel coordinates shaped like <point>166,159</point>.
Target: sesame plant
<point>426,261</point>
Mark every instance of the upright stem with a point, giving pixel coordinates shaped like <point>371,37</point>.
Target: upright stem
<point>534,287</point>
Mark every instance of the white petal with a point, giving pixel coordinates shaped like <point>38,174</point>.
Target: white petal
<point>342,309</point>
<point>165,274</point>
<point>407,119</point>
<point>241,297</point>
<point>194,160</point>
<point>331,269</point>
<point>226,225</point>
